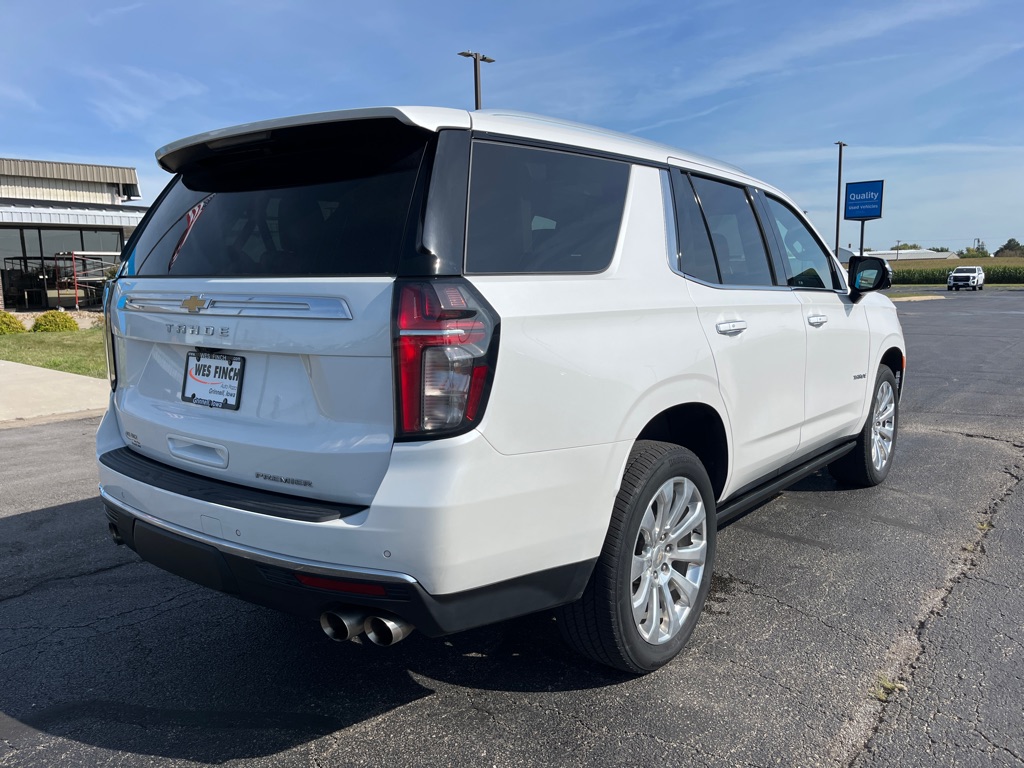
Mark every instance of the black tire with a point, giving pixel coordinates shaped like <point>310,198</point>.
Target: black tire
<point>956,288</point>
<point>859,467</point>
<point>601,624</point>
<point>981,287</point>
<point>949,287</point>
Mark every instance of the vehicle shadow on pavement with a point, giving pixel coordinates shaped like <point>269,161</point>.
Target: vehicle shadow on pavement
<point>106,651</point>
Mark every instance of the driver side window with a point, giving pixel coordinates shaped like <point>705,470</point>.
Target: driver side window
<point>809,265</point>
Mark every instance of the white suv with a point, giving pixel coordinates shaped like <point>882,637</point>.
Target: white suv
<point>966,277</point>
<point>425,367</point>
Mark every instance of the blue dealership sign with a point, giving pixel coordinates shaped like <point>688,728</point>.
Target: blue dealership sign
<point>863,200</point>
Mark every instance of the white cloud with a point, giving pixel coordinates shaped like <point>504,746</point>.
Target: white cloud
<point>100,18</point>
<point>16,95</point>
<point>133,97</point>
<point>735,71</point>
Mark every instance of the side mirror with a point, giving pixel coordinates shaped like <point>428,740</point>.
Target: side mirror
<point>869,273</point>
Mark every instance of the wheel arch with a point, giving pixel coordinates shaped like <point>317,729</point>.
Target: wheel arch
<point>699,428</point>
<point>894,359</point>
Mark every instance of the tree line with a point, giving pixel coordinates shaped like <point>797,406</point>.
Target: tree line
<point>1010,248</point>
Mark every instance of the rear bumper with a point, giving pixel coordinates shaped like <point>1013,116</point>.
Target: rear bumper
<point>274,581</point>
<point>454,514</point>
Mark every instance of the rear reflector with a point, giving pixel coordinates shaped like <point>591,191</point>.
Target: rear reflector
<point>351,587</point>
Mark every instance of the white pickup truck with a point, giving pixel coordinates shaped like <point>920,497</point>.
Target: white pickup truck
<point>966,277</point>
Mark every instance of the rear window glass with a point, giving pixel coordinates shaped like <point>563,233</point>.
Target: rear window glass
<point>304,203</point>
<point>742,258</point>
<point>538,210</point>
<point>696,258</point>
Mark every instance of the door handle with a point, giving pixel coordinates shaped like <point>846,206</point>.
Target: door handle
<point>731,328</point>
<point>817,320</point>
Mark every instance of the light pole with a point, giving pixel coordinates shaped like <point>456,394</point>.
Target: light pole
<point>839,194</point>
<point>477,58</point>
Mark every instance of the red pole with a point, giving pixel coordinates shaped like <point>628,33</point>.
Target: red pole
<point>74,270</point>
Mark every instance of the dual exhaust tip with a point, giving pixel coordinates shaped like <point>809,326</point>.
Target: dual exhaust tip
<point>347,625</point>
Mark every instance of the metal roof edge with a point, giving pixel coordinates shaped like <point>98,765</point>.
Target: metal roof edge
<point>55,169</point>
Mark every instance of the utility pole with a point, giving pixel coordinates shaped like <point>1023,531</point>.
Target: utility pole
<point>839,194</point>
<point>897,250</point>
<point>477,58</point>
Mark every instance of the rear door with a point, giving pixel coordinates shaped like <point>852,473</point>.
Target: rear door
<point>753,326</point>
<point>252,324</point>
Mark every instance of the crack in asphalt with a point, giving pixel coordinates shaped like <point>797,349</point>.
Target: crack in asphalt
<point>112,618</point>
<point>67,577</point>
<point>1000,747</point>
<point>752,589</point>
<point>974,435</point>
<point>905,665</point>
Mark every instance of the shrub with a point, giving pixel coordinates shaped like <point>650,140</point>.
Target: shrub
<point>10,324</point>
<point>53,321</point>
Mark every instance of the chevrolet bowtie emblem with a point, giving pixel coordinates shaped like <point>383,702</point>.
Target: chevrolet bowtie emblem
<point>195,303</point>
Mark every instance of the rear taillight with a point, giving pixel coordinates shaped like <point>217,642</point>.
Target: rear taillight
<point>446,344</point>
<point>108,337</point>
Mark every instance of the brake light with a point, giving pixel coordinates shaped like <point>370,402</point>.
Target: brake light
<point>445,348</point>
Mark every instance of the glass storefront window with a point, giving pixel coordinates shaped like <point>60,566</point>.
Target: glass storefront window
<point>32,243</point>
<point>59,240</point>
<point>10,246</point>
<point>102,240</point>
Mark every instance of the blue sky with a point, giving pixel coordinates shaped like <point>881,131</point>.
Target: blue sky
<point>928,95</point>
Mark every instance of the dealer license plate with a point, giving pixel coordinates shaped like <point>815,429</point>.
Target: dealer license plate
<point>213,380</point>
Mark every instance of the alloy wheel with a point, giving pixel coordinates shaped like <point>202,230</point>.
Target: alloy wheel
<point>669,558</point>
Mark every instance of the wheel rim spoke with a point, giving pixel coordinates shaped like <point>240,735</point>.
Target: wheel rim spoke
<point>669,623</point>
<point>687,589</point>
<point>640,564</point>
<point>689,523</point>
<point>681,493</point>
<point>696,553</point>
<point>647,525</point>
<point>654,614</point>
<point>642,599</point>
<point>661,504</point>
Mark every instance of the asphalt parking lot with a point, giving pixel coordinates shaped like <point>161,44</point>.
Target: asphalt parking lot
<point>867,628</point>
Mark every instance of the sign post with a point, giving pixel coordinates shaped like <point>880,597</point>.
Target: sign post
<point>863,203</point>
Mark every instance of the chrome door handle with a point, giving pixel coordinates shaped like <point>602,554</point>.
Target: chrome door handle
<point>817,320</point>
<point>731,328</point>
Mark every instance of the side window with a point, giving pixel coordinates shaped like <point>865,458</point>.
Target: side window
<point>809,265</point>
<point>696,257</point>
<point>739,247</point>
<point>539,210</point>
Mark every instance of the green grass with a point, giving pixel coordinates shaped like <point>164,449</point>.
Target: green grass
<point>78,352</point>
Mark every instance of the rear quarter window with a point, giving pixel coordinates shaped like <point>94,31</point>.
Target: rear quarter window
<point>537,210</point>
